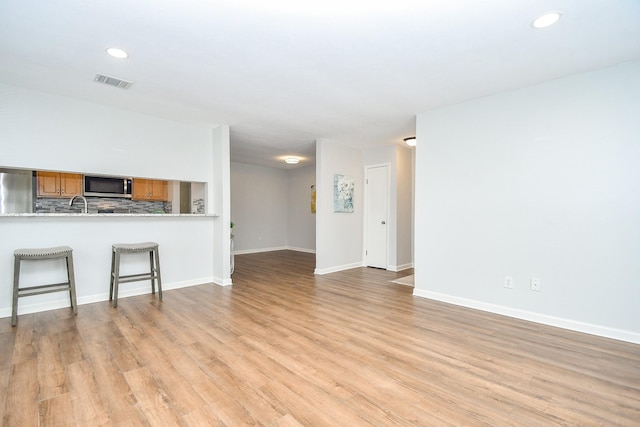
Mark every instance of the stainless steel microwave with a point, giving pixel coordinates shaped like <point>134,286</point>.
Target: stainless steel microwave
<point>107,186</point>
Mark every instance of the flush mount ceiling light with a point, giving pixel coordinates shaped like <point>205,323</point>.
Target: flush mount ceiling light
<point>411,141</point>
<point>292,160</point>
<point>546,20</point>
<point>117,53</point>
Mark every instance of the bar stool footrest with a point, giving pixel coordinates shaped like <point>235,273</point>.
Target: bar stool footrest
<point>43,289</point>
<point>137,277</point>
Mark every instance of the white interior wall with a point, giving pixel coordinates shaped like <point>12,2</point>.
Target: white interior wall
<point>539,182</point>
<point>271,208</point>
<point>284,198</point>
<point>301,226</point>
<point>259,207</point>
<point>219,192</point>
<point>50,132</point>
<point>386,155</point>
<point>400,201</point>
<point>404,208</point>
<point>184,260</point>
<point>338,235</point>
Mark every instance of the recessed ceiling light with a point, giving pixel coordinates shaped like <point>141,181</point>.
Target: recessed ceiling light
<point>292,160</point>
<point>411,141</point>
<point>117,53</point>
<point>546,20</point>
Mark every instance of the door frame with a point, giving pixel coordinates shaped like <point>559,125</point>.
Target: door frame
<point>366,211</point>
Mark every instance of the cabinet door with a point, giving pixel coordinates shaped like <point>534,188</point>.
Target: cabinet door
<point>150,189</point>
<point>159,190</point>
<point>70,184</point>
<point>48,184</point>
<point>140,189</point>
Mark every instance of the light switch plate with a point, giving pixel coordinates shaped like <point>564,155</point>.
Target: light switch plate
<point>508,282</point>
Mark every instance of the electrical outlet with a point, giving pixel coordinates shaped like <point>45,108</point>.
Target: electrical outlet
<point>508,282</point>
<point>535,284</point>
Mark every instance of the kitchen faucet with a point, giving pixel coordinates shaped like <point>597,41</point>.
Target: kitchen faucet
<point>86,207</point>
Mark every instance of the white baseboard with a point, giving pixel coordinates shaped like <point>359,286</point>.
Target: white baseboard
<point>293,248</point>
<point>544,319</point>
<point>278,248</point>
<point>256,251</point>
<point>126,291</point>
<point>188,283</point>
<point>222,282</point>
<point>400,267</point>
<point>320,271</point>
<point>37,308</point>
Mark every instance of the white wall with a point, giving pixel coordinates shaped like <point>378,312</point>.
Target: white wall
<point>539,182</point>
<point>259,207</point>
<point>271,208</point>
<point>219,192</point>
<point>184,260</point>
<point>404,208</point>
<point>338,235</point>
<point>399,160</point>
<point>43,131</point>
<point>301,224</point>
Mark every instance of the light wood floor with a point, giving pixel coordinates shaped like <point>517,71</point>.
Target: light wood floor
<point>284,348</point>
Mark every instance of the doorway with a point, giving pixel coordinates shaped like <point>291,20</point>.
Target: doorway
<point>376,215</point>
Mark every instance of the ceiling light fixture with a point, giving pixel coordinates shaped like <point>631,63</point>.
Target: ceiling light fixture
<point>411,141</point>
<point>117,53</point>
<point>292,160</point>
<point>546,20</point>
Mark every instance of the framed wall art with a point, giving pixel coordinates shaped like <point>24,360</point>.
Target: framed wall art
<point>343,186</point>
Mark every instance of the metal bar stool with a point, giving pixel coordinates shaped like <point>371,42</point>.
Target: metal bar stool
<point>154,268</point>
<point>37,254</point>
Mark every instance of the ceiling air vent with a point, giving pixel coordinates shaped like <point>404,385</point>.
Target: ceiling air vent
<point>112,81</point>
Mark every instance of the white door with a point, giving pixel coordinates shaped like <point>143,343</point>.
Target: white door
<point>377,183</point>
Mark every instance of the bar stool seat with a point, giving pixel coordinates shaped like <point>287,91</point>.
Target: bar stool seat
<point>154,268</point>
<point>32,254</point>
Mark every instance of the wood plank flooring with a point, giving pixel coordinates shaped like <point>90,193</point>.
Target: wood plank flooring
<point>284,348</point>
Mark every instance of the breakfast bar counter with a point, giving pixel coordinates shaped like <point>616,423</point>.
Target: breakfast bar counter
<point>189,255</point>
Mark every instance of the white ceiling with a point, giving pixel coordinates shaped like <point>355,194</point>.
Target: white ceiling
<point>282,73</point>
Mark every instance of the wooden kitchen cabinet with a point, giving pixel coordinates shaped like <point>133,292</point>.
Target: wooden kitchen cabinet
<point>58,184</point>
<point>150,189</point>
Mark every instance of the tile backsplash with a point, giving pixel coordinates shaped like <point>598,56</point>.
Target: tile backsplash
<point>56,205</point>
<point>198,206</point>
